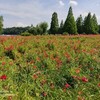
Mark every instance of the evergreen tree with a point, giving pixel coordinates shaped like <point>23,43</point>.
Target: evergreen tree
<point>1,24</point>
<point>99,28</point>
<point>70,24</point>
<point>61,27</point>
<point>79,23</point>
<point>54,24</point>
<point>88,24</point>
<point>95,24</point>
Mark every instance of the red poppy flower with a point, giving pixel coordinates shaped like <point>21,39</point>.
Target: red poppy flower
<point>77,71</point>
<point>9,97</point>
<point>35,76</point>
<point>3,63</point>
<point>99,84</point>
<point>67,85</point>
<point>84,79</point>
<point>3,77</point>
<point>44,94</point>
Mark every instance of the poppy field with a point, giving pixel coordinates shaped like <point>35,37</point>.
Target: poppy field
<point>50,67</point>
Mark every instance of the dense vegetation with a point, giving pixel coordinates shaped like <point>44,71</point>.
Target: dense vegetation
<point>50,67</point>
<point>87,25</point>
<point>14,30</point>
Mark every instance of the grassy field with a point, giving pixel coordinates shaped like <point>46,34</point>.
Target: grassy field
<point>50,67</point>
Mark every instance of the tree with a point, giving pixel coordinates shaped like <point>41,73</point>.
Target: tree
<point>39,29</point>
<point>70,24</point>
<point>99,28</point>
<point>54,24</point>
<point>79,23</point>
<point>1,24</point>
<point>32,30</point>
<point>44,26</point>
<point>95,24</point>
<point>88,24</point>
<point>61,27</point>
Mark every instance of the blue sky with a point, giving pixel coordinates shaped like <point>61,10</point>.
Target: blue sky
<point>27,12</point>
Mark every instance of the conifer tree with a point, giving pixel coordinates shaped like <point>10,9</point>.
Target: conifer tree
<point>61,27</point>
<point>70,24</point>
<point>95,24</point>
<point>79,23</point>
<point>99,28</point>
<point>1,24</point>
<point>88,24</point>
<point>54,24</point>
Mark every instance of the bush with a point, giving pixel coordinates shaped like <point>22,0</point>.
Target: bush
<point>25,34</point>
<point>65,33</point>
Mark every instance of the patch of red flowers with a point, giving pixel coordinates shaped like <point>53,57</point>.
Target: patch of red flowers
<point>3,77</point>
<point>10,48</point>
<point>84,79</point>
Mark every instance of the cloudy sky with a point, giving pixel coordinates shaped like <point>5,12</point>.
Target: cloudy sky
<point>27,12</point>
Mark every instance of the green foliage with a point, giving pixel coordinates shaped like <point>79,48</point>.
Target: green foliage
<point>1,24</point>
<point>14,30</point>
<point>32,30</point>
<point>44,27</point>
<point>25,34</point>
<point>70,24</point>
<point>79,23</point>
<point>95,24</point>
<point>65,33</point>
<point>21,50</point>
<point>99,28</point>
<point>10,54</point>
<point>90,25</point>
<point>40,29</point>
<point>61,27</point>
<point>54,24</point>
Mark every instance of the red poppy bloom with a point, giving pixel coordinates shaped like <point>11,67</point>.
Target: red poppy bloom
<point>34,67</point>
<point>99,84</point>
<point>10,48</point>
<point>67,85</point>
<point>84,79</point>
<point>77,70</point>
<point>3,63</point>
<point>44,94</point>
<point>3,77</point>
<point>9,97</point>
<point>35,76</point>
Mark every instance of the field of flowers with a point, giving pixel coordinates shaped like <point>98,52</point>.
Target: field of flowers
<point>50,67</point>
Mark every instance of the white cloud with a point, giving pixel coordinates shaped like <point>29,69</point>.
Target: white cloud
<point>73,2</point>
<point>61,3</point>
<point>20,24</point>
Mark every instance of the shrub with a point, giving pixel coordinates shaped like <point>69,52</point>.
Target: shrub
<point>25,34</point>
<point>65,33</point>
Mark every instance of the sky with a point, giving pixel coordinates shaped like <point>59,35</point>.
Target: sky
<point>26,12</point>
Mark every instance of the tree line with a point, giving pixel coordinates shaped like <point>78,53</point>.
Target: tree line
<point>87,25</point>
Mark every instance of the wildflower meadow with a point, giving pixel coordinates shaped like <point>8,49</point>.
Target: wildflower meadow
<point>50,67</point>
